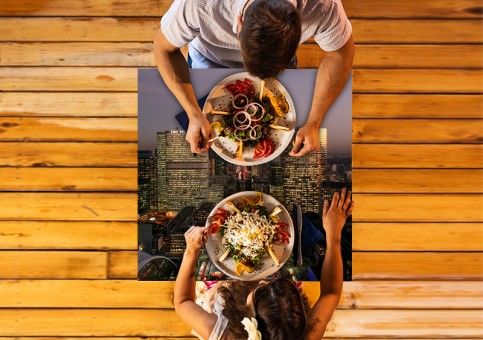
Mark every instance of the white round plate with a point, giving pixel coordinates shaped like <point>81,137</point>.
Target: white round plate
<point>219,99</point>
<point>267,267</point>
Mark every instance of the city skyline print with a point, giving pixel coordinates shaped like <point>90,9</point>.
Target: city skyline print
<point>177,189</point>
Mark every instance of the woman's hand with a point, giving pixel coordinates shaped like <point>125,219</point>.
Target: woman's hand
<point>195,239</point>
<point>334,217</point>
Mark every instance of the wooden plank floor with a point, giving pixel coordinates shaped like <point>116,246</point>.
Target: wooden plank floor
<point>68,132</point>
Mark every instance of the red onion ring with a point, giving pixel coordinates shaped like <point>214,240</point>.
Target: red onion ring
<point>254,129</point>
<point>255,110</point>
<point>235,98</point>
<point>242,124</point>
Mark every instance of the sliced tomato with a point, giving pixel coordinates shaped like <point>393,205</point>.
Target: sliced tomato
<point>214,227</point>
<point>260,149</point>
<point>233,89</point>
<point>222,212</point>
<point>281,225</point>
<point>250,87</point>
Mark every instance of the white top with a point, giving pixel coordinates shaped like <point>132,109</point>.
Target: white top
<point>210,26</point>
<point>212,302</point>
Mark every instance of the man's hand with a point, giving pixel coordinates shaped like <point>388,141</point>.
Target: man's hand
<point>199,133</point>
<point>334,217</point>
<point>307,140</point>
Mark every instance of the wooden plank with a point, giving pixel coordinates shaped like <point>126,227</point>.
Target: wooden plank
<point>79,29</point>
<point>417,81</point>
<point>411,31</point>
<point>399,56</point>
<point>37,104</point>
<point>416,106</point>
<point>414,31</point>
<point>416,156</point>
<point>422,131</point>
<point>417,181</point>
<point>416,266</point>
<point>141,322</point>
<point>125,79</point>
<point>159,294</point>
<point>354,8</point>
<point>60,235</point>
<point>418,208</point>
<point>413,9</point>
<point>84,8</point>
<point>68,79</point>
<point>38,154</point>
<point>68,207</point>
<point>310,55</point>
<point>427,236</point>
<point>77,54</point>
<point>68,179</point>
<point>52,265</point>
<point>68,129</point>
<point>123,265</point>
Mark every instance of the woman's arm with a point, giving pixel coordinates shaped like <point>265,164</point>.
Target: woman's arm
<point>331,279</point>
<point>184,291</point>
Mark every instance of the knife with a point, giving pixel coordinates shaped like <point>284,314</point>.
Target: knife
<point>299,224</point>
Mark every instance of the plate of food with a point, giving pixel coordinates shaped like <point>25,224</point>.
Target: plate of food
<point>253,120</point>
<point>251,235</point>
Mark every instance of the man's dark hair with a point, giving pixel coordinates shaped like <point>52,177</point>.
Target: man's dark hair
<point>269,37</point>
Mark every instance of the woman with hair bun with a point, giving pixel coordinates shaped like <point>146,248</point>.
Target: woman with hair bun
<point>274,310</point>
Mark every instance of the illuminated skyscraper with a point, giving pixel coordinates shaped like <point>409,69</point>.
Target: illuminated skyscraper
<point>183,179</point>
<point>146,181</point>
<point>302,176</point>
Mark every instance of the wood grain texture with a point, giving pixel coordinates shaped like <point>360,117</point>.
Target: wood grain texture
<point>411,236</point>
<point>417,81</point>
<point>401,56</point>
<point>69,235</point>
<point>418,208</point>
<point>310,54</point>
<point>68,207</point>
<point>420,131</point>
<point>417,266</point>
<point>52,265</point>
<point>383,31</point>
<point>417,181</point>
<point>354,8</point>
<point>68,79</point>
<point>419,106</point>
<point>68,129</point>
<point>58,104</point>
<point>142,322</point>
<point>68,179</point>
<point>123,265</point>
<point>40,154</point>
<point>158,294</point>
<point>414,31</point>
<point>417,156</point>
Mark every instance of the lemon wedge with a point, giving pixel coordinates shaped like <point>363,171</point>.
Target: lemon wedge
<point>217,127</point>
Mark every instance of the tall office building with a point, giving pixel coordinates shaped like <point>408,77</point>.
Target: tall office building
<point>302,176</point>
<point>183,179</point>
<point>147,177</point>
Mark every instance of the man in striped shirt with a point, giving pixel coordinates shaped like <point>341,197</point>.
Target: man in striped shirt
<point>261,36</point>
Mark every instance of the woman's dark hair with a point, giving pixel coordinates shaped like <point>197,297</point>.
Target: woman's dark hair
<point>281,311</point>
<point>269,37</point>
<point>235,297</point>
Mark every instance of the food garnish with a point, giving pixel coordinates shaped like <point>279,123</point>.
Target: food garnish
<point>248,232</point>
<point>250,116</point>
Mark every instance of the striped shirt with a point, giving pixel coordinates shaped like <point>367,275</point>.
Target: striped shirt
<point>210,27</point>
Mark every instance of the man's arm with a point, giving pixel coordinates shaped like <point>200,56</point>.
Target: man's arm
<point>331,277</point>
<point>184,291</point>
<point>174,70</point>
<point>332,75</point>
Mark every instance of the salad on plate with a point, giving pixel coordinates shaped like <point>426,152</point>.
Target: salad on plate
<point>248,231</point>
